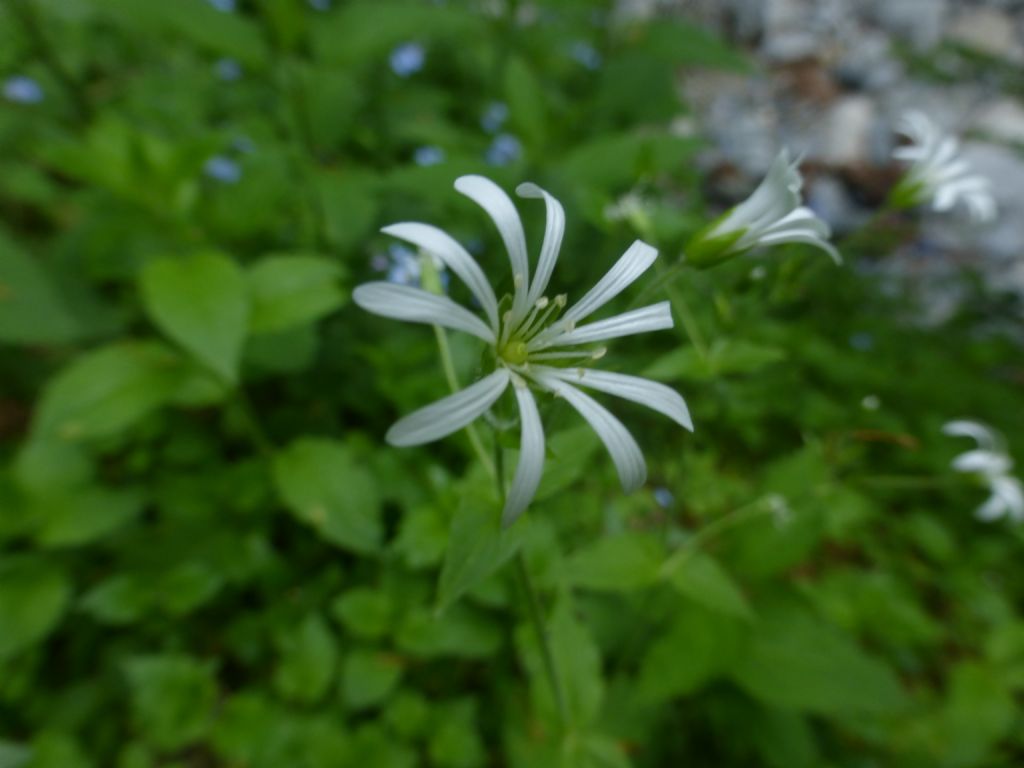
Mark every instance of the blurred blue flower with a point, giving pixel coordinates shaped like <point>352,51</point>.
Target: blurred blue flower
<point>22,89</point>
<point>224,6</point>
<point>407,59</point>
<point>429,155</point>
<point>320,5</point>
<point>227,70</point>
<point>586,54</point>
<point>223,169</point>
<point>505,149</point>
<point>663,496</point>
<point>494,116</point>
<point>403,267</point>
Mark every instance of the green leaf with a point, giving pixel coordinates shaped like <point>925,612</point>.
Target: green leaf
<point>172,698</point>
<point>698,646</point>
<point>460,631</point>
<point>364,612</point>
<point>308,659</point>
<point>291,290</point>
<point>700,578</point>
<point>578,663</point>
<point>83,515</point>
<point>477,545</point>
<point>33,597</point>
<point>525,101</point>
<point>455,741</point>
<point>200,301</point>
<point>107,391</point>
<point>796,661</point>
<point>324,486</point>
<point>121,599</point>
<point>368,678</point>
<point>626,562</point>
<point>978,713</point>
<point>31,311</point>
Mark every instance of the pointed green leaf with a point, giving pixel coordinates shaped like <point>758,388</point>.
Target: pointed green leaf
<point>323,485</point>
<point>291,290</point>
<point>200,301</point>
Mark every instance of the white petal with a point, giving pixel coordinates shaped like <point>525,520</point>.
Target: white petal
<point>456,258</point>
<point>449,414</point>
<point>1012,494</point>
<point>553,232</point>
<point>982,434</point>
<point>807,238</point>
<point>774,198</point>
<point>983,461</point>
<point>531,456</point>
<point>404,302</point>
<point>625,453</point>
<point>992,509</point>
<point>658,397</point>
<point>633,263</point>
<point>655,317</point>
<point>499,207</point>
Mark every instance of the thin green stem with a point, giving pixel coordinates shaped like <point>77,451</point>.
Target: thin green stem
<point>445,353</point>
<point>537,619</point>
<point>694,543</point>
<point>252,424</point>
<point>685,315</point>
<point>532,600</point>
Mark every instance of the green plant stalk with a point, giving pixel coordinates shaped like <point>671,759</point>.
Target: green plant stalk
<point>686,317</point>
<point>532,600</point>
<point>445,353</point>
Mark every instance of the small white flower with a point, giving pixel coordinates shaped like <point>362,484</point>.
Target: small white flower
<point>772,215</point>
<point>990,462</point>
<point>937,171</point>
<point>534,340</point>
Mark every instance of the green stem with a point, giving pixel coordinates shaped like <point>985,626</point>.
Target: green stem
<point>686,317</point>
<point>532,600</point>
<point>722,524</point>
<point>252,424</point>
<point>537,619</point>
<point>445,352</point>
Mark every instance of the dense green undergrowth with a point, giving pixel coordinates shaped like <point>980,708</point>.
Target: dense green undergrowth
<point>210,557</point>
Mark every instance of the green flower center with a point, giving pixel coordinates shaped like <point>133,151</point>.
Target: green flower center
<point>514,352</point>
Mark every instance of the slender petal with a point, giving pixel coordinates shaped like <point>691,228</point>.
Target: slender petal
<point>985,462</point>
<point>984,436</point>
<point>1012,494</point>
<point>656,396</point>
<point>633,263</point>
<point>531,455</point>
<point>625,453</point>
<point>808,238</point>
<point>404,302</point>
<point>449,414</point>
<point>456,258</point>
<point>553,232</point>
<point>499,207</point>
<point>655,317</point>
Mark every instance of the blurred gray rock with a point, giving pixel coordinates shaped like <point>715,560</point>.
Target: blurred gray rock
<point>988,30</point>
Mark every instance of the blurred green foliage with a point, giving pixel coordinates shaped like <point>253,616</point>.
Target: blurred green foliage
<point>209,557</point>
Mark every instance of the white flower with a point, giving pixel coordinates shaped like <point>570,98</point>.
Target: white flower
<point>772,215</point>
<point>992,464</point>
<point>937,172</point>
<point>534,342</point>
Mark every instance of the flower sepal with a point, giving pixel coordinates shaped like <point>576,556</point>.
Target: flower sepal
<point>707,249</point>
